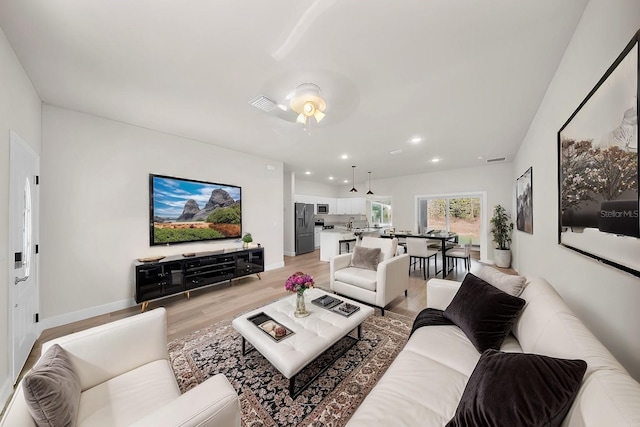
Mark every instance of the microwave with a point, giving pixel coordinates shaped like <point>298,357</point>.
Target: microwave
<point>322,208</point>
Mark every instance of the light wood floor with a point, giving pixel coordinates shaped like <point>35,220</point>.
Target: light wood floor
<point>208,306</point>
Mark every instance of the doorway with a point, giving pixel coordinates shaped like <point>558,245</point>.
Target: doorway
<point>24,173</point>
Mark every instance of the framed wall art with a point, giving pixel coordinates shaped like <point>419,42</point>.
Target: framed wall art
<point>524,202</point>
<point>598,169</point>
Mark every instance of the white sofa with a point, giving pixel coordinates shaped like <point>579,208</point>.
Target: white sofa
<point>424,384</point>
<point>375,287</point>
<point>127,380</point>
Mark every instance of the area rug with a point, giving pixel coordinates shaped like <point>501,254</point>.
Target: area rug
<point>329,401</point>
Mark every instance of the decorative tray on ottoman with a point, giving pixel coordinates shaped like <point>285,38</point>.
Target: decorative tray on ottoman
<point>326,301</point>
<point>266,324</point>
<point>345,309</point>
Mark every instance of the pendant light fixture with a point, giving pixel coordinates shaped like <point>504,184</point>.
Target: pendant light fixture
<point>370,193</point>
<point>353,189</point>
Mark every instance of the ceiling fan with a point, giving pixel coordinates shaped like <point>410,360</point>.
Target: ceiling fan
<point>303,104</point>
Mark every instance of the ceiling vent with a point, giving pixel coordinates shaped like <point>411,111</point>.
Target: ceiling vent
<point>263,103</point>
<point>497,159</point>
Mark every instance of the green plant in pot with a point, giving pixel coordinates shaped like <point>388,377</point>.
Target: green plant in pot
<point>501,228</point>
<point>246,239</point>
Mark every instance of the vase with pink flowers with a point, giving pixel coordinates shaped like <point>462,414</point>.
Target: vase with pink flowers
<point>299,282</point>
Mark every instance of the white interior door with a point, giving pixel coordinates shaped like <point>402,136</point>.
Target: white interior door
<point>23,271</point>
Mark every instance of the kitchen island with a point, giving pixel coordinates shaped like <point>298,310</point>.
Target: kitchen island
<point>329,242</point>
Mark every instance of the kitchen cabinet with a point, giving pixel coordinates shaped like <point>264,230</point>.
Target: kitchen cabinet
<point>352,206</point>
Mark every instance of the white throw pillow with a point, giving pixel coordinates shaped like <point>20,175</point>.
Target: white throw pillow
<point>513,285</point>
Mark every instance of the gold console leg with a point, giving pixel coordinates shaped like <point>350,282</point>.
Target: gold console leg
<point>188,294</point>
<point>145,305</point>
<point>258,274</point>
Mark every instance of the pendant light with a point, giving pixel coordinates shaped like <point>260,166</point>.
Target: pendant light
<point>353,189</point>
<point>370,193</point>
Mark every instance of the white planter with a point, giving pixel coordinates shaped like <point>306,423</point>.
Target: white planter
<point>502,257</point>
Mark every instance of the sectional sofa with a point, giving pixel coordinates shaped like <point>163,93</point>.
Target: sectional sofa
<point>431,380</point>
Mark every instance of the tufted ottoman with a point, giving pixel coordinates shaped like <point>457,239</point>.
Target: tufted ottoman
<point>311,336</point>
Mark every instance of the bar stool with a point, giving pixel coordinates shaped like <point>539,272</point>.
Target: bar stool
<point>346,242</point>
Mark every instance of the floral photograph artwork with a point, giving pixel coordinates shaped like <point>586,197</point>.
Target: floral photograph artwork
<point>598,169</point>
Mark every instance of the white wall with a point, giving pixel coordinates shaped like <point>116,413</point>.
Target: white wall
<point>606,299</point>
<point>309,188</point>
<point>493,179</point>
<point>19,111</point>
<point>95,204</point>
<point>289,187</point>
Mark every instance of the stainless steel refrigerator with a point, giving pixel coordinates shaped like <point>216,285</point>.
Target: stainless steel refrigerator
<point>304,228</point>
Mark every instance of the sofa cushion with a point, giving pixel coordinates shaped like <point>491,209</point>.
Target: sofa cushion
<point>359,277</point>
<point>519,389</point>
<point>483,312</point>
<point>52,389</point>
<point>127,398</point>
<point>367,258</point>
<point>388,247</point>
<point>513,285</point>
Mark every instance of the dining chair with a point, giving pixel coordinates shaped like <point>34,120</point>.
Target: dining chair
<point>460,252</point>
<point>419,251</point>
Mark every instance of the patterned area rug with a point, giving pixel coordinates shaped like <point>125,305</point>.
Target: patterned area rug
<point>329,401</point>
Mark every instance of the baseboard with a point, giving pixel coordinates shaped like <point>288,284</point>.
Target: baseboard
<point>64,319</point>
<point>274,266</point>
<point>5,393</point>
<point>486,261</point>
<point>288,253</point>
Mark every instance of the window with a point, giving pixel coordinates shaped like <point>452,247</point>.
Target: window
<point>381,212</point>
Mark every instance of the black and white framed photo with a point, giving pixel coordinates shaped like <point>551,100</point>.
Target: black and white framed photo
<point>598,169</point>
<point>524,202</point>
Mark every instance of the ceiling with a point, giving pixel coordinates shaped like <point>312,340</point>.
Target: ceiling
<point>466,76</point>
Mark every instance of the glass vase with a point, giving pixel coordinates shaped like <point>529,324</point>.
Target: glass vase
<point>301,309</point>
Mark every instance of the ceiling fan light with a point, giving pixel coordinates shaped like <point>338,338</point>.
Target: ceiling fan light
<point>302,119</point>
<point>308,102</point>
<point>308,109</point>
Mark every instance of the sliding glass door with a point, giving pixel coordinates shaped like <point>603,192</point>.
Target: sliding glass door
<point>458,214</point>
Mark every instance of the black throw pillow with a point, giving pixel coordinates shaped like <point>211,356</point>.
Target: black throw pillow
<point>519,389</point>
<point>483,312</point>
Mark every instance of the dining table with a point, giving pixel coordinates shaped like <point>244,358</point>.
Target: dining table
<point>443,236</point>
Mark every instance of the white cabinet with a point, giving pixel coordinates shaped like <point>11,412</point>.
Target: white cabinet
<point>359,206</point>
<point>316,237</point>
<point>341,206</point>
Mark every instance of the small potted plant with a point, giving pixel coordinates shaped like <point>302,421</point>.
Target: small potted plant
<point>246,239</point>
<point>501,228</point>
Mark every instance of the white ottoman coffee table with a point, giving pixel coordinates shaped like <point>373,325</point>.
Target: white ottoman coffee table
<point>307,338</point>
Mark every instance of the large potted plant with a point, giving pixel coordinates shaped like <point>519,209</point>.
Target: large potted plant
<point>501,228</point>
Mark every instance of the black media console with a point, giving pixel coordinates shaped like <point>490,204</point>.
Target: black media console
<point>176,274</point>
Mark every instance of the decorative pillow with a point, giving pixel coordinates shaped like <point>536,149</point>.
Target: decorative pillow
<point>52,389</point>
<point>519,389</point>
<point>483,312</point>
<point>365,258</point>
<point>513,285</point>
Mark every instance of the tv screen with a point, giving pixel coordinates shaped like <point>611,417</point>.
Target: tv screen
<point>186,210</point>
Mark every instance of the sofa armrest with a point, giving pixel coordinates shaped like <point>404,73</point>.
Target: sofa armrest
<point>392,279</point>
<point>440,292</point>
<point>337,263</point>
<point>214,403</point>
<point>107,351</point>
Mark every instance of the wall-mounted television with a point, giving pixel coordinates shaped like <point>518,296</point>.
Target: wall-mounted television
<point>186,210</point>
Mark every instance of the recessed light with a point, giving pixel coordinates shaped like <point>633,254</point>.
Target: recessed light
<point>416,139</point>
<point>396,151</point>
<point>480,158</point>
<point>346,181</point>
<point>435,160</point>
<point>307,173</point>
<point>331,178</point>
<point>344,156</point>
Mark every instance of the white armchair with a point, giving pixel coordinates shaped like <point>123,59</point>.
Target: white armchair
<point>377,288</point>
<point>126,379</point>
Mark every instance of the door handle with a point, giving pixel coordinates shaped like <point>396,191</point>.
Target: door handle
<point>20,279</point>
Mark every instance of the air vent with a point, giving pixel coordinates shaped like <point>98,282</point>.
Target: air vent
<point>263,103</point>
<point>497,159</point>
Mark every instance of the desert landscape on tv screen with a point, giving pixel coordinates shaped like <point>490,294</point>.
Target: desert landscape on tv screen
<point>186,211</point>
